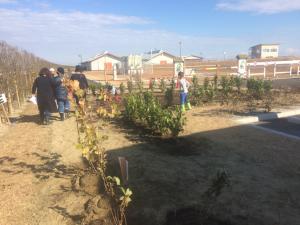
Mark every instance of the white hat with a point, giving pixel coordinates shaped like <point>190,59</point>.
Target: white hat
<point>52,70</point>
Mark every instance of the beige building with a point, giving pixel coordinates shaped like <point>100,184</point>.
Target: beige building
<point>105,61</point>
<point>264,51</point>
<point>161,58</point>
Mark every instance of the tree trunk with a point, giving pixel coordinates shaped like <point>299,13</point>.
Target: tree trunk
<point>17,93</point>
<point>9,99</point>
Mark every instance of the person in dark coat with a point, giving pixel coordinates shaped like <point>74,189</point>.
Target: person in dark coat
<point>61,94</point>
<point>83,84</point>
<point>43,88</point>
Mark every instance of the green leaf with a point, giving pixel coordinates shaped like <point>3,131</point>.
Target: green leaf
<point>128,192</point>
<point>117,180</point>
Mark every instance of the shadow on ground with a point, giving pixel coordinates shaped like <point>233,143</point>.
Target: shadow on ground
<point>49,166</point>
<point>31,119</point>
<point>63,211</point>
<point>167,184</point>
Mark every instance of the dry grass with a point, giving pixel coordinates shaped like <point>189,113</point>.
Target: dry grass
<point>167,175</point>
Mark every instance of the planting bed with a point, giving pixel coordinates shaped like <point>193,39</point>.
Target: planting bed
<point>169,176</point>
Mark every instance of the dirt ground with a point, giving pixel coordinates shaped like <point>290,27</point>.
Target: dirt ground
<point>167,177</point>
<point>39,165</point>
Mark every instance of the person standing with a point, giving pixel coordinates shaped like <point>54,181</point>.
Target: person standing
<point>184,90</point>
<point>61,93</point>
<point>52,72</point>
<point>43,89</point>
<point>83,84</point>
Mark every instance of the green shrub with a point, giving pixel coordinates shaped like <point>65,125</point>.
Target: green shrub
<point>197,92</point>
<point>163,85</point>
<point>226,89</point>
<point>122,88</point>
<point>130,86</point>
<point>145,109</point>
<point>238,81</point>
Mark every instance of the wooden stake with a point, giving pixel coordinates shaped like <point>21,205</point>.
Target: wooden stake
<point>5,114</point>
<point>124,169</point>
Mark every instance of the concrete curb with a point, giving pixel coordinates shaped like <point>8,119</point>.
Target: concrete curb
<point>295,120</point>
<point>270,116</point>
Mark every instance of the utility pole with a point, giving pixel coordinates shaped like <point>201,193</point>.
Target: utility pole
<point>180,46</point>
<point>80,56</point>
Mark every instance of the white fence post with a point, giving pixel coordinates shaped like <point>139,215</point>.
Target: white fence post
<point>291,70</point>
<point>249,72</point>
<point>264,72</point>
<point>274,70</point>
<point>298,71</point>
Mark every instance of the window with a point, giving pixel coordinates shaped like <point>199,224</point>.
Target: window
<point>274,50</point>
<point>266,50</point>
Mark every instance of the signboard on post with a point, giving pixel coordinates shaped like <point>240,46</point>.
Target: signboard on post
<point>178,66</point>
<point>242,67</point>
<point>3,99</point>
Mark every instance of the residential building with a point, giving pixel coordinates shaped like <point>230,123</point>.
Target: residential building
<point>161,58</point>
<point>264,51</point>
<point>133,64</point>
<point>103,62</point>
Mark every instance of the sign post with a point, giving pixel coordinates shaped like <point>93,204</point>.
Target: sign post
<point>242,67</point>
<point>178,67</point>
<point>3,100</point>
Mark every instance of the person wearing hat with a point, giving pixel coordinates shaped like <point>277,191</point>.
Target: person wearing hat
<point>61,94</point>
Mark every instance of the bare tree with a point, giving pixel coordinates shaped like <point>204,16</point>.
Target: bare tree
<point>18,69</point>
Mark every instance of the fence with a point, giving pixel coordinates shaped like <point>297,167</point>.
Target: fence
<point>266,70</point>
<point>272,69</point>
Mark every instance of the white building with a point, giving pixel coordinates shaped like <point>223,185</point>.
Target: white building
<point>161,58</point>
<point>134,64</point>
<point>105,61</point>
<point>264,51</point>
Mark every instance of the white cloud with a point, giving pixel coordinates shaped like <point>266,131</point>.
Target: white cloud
<point>61,36</point>
<point>260,6</point>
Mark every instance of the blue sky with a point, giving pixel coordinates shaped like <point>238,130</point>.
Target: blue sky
<point>61,30</point>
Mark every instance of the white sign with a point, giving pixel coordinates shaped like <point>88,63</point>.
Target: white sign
<point>242,68</point>
<point>178,68</point>
<point>3,98</point>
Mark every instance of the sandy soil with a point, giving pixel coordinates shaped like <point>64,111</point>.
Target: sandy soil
<point>37,167</point>
<point>166,177</point>
<point>42,182</point>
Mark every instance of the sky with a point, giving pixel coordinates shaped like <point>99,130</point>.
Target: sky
<point>61,30</point>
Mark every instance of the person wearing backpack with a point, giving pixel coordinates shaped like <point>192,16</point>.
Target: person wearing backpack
<point>61,94</point>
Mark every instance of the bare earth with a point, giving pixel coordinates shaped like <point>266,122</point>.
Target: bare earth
<point>38,164</point>
<point>264,171</point>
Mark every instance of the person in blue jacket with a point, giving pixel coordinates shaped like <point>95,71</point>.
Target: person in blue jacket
<point>61,94</point>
